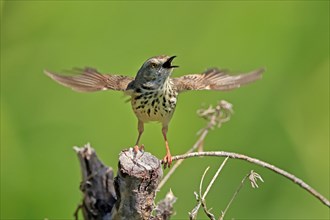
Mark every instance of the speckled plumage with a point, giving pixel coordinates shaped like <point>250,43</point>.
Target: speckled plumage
<point>153,91</point>
<point>154,105</point>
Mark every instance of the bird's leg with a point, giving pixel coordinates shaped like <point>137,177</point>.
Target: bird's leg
<point>140,130</point>
<point>167,161</point>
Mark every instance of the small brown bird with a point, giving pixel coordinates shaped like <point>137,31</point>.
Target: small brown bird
<point>153,92</point>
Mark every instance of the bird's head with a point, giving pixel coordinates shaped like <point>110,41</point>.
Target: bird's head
<point>155,70</point>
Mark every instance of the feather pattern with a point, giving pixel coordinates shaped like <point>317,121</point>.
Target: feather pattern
<point>215,79</point>
<point>90,80</point>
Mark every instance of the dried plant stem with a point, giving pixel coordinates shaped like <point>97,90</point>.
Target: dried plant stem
<point>234,196</point>
<point>201,183</point>
<point>202,201</point>
<point>253,177</point>
<point>201,197</point>
<point>273,168</point>
<point>214,178</point>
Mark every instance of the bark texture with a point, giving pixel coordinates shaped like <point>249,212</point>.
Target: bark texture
<point>129,195</point>
<point>138,177</point>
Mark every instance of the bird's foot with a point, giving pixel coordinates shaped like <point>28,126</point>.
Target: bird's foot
<point>136,148</point>
<point>167,161</point>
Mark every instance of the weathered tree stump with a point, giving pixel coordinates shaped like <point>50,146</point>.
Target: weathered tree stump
<point>130,195</point>
<point>138,177</point>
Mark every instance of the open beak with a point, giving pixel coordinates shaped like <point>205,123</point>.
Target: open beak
<point>168,63</point>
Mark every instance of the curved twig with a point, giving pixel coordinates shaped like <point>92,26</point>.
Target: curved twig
<point>273,168</point>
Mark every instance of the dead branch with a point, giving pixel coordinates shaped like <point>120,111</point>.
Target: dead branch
<point>273,168</point>
<point>97,186</point>
<point>164,209</point>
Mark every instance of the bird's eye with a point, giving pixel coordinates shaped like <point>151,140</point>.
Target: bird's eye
<point>153,65</point>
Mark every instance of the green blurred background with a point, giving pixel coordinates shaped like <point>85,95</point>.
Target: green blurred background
<point>282,119</point>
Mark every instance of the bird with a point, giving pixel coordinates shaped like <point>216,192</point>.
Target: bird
<point>153,91</point>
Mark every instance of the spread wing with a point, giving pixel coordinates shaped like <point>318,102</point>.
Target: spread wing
<point>90,80</point>
<point>215,79</point>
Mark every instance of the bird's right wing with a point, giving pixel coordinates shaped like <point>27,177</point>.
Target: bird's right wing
<point>215,79</point>
<point>90,80</point>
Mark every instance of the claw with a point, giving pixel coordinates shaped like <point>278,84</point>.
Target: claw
<point>141,148</point>
<point>167,161</point>
<point>136,149</point>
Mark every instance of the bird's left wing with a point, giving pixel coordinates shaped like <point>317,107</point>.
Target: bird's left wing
<point>215,79</point>
<point>90,80</point>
